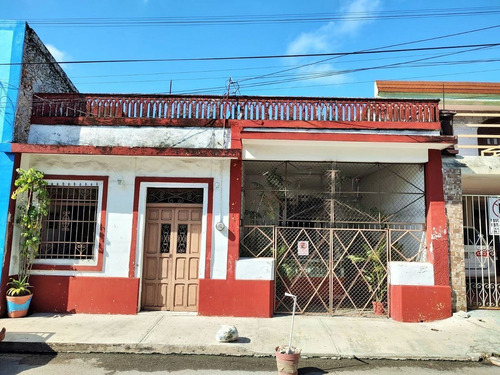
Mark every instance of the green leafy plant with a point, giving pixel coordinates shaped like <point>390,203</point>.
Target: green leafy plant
<point>287,267</point>
<point>33,197</point>
<point>374,268</point>
<point>18,288</point>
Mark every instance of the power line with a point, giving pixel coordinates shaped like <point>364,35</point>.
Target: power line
<point>330,73</point>
<point>388,46</point>
<point>266,19</point>
<point>258,57</point>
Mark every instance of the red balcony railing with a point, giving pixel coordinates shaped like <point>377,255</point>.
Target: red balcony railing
<point>152,107</point>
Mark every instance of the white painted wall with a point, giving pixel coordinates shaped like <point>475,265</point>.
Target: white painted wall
<point>120,202</point>
<point>144,136</point>
<point>255,269</point>
<point>411,273</point>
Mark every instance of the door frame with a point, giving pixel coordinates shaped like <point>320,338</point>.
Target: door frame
<point>141,186</point>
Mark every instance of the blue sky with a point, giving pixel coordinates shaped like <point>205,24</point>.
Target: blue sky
<point>334,26</point>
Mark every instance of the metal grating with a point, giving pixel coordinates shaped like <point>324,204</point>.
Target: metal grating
<point>332,228</point>
<point>326,194</point>
<point>69,230</point>
<point>481,218</point>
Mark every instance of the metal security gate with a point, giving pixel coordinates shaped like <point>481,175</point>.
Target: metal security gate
<point>481,249</point>
<point>332,227</point>
<point>333,270</point>
<point>330,269</point>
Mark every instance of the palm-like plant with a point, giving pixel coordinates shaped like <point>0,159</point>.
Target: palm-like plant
<point>31,191</point>
<point>374,268</point>
<point>18,288</point>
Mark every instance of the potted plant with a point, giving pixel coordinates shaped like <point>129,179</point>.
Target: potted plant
<point>31,191</point>
<point>374,271</point>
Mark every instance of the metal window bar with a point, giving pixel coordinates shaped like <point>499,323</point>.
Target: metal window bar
<point>69,231</point>
<point>481,250</point>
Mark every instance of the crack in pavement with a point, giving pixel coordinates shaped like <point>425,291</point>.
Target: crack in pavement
<point>151,329</point>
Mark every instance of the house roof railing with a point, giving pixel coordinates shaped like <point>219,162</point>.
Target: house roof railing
<point>137,109</point>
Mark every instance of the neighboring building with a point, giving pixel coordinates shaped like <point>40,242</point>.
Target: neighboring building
<point>221,204</point>
<point>471,112</point>
<point>20,47</point>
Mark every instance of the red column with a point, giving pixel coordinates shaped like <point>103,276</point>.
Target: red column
<point>437,231</point>
<point>234,218</point>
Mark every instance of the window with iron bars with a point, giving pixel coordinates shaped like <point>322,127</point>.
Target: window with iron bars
<point>69,231</point>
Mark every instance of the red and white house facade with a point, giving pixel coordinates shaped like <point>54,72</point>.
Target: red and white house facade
<point>117,149</point>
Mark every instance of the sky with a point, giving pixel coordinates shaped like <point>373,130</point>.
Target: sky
<point>106,30</point>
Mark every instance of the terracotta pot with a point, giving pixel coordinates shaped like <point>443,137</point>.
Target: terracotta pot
<point>17,307</point>
<point>287,363</point>
<point>378,308</point>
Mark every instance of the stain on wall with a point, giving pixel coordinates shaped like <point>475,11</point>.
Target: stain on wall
<point>40,73</point>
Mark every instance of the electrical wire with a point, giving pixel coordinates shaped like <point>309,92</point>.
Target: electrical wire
<point>256,57</point>
<point>265,19</point>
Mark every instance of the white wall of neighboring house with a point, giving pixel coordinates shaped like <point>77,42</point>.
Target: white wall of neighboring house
<point>122,171</point>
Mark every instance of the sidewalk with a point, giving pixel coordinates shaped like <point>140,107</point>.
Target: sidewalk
<point>455,338</point>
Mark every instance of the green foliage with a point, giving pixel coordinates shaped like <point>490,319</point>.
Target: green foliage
<point>287,267</point>
<point>271,198</point>
<point>19,287</point>
<point>374,267</point>
<point>34,204</point>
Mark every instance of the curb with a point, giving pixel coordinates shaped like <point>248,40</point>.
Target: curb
<point>215,350</point>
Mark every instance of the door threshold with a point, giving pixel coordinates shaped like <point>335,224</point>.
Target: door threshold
<point>159,312</point>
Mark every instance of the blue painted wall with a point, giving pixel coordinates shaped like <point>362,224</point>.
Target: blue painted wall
<point>11,51</point>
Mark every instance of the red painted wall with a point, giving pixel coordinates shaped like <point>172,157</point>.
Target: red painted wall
<point>417,303</point>
<point>437,227</point>
<point>246,298</point>
<point>88,295</point>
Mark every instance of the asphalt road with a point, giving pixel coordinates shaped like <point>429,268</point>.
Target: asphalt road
<point>129,364</point>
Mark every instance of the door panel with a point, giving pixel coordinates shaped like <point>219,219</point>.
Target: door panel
<point>171,257</point>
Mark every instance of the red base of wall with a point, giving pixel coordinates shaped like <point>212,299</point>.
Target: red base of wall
<point>412,303</point>
<point>246,298</point>
<point>88,295</point>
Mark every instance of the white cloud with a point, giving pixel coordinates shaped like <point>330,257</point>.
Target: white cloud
<point>358,8</point>
<point>56,53</point>
<point>331,37</point>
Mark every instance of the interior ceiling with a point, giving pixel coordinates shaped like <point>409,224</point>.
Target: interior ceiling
<point>485,184</point>
<point>311,168</point>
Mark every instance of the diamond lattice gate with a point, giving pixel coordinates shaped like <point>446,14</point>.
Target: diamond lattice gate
<point>330,270</point>
<point>332,228</point>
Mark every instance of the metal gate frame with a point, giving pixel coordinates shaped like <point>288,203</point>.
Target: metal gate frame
<point>319,279</point>
<point>481,253</point>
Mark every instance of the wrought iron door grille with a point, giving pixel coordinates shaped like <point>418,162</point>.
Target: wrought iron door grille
<point>174,195</point>
<point>69,230</point>
<point>481,236</point>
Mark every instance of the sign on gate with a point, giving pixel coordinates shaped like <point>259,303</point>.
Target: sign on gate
<point>494,215</point>
<point>303,248</point>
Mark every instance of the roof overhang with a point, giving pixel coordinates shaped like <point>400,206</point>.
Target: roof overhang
<point>342,147</point>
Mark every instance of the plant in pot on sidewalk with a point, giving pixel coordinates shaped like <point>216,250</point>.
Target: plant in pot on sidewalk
<point>33,197</point>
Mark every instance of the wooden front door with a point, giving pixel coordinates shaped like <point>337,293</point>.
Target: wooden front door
<point>171,257</point>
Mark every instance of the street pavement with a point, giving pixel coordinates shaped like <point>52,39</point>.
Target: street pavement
<point>136,364</point>
<point>456,338</point>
